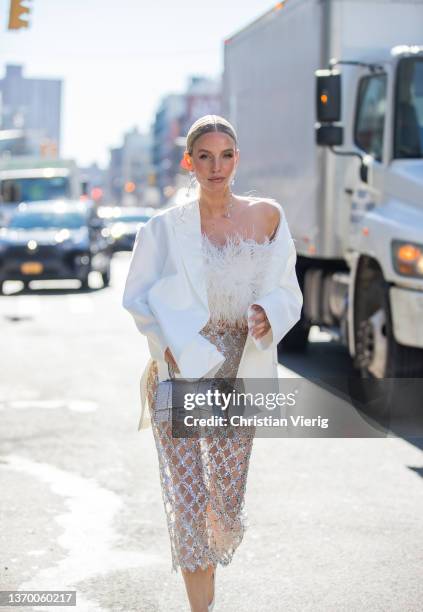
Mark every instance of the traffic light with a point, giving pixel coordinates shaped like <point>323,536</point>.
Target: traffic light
<point>130,187</point>
<point>17,10</point>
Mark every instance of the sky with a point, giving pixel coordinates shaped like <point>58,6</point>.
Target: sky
<point>118,58</point>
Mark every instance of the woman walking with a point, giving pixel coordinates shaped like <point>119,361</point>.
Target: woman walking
<point>212,285</point>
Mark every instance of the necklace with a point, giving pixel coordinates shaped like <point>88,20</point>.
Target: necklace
<point>227,214</point>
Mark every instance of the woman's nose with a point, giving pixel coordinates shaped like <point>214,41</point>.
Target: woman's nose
<point>216,164</point>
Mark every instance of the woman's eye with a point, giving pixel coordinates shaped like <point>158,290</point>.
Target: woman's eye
<point>228,154</point>
<point>203,156</point>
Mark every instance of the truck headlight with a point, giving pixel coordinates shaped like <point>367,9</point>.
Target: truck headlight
<point>407,258</point>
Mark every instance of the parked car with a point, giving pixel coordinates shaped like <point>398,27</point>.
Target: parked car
<point>123,223</point>
<point>54,240</point>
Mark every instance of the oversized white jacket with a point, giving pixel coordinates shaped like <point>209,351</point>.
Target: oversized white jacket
<point>166,293</point>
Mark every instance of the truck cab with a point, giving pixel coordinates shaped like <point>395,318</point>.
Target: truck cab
<point>36,180</point>
<point>380,193</point>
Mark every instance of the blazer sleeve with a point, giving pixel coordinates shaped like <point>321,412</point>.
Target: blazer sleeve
<point>282,304</point>
<point>145,268</point>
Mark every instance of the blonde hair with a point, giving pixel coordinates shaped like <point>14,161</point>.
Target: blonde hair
<point>206,124</point>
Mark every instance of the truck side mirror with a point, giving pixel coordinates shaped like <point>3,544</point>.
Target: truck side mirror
<point>328,96</point>
<point>330,135</point>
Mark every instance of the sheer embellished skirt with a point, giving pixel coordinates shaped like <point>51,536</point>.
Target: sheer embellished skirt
<point>203,479</point>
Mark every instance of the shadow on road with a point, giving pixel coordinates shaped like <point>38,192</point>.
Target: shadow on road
<point>393,403</point>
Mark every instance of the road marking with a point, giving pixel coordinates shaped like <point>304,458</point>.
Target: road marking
<point>80,304</point>
<point>87,532</point>
<point>21,306</point>
<point>36,553</point>
<point>74,405</point>
<point>82,406</point>
<point>30,306</point>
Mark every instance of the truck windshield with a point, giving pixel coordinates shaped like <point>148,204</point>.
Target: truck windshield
<point>34,189</point>
<point>45,220</point>
<point>408,142</point>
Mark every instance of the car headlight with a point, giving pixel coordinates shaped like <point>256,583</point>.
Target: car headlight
<point>82,260</point>
<point>117,231</point>
<point>407,258</point>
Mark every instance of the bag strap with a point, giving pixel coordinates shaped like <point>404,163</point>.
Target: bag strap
<point>170,373</point>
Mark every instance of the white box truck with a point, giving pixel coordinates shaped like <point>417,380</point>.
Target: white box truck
<point>327,99</point>
<point>35,179</point>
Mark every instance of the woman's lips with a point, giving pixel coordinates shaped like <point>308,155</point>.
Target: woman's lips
<point>217,180</point>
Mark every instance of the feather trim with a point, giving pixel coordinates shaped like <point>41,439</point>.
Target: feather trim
<point>234,274</point>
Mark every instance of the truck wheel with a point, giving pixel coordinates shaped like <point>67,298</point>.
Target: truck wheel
<point>296,340</point>
<point>378,354</point>
<point>379,357</point>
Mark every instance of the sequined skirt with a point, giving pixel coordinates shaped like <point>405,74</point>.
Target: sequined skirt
<point>203,479</point>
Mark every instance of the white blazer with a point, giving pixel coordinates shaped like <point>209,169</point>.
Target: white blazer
<point>166,293</point>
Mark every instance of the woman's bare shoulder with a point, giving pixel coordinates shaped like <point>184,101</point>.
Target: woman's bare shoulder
<point>261,204</point>
<point>265,209</point>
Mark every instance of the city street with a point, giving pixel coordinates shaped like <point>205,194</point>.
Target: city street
<point>334,524</point>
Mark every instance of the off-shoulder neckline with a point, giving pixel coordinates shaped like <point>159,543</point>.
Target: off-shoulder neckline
<point>237,239</point>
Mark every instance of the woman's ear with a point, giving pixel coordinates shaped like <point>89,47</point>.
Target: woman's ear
<point>186,162</point>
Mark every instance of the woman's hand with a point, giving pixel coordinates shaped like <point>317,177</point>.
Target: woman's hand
<point>259,323</point>
<point>169,358</point>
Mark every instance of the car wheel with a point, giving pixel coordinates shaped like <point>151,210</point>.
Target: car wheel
<point>106,277</point>
<point>85,282</point>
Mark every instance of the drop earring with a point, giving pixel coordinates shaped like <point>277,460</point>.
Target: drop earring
<point>191,184</point>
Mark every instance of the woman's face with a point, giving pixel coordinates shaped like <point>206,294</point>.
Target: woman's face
<point>214,160</point>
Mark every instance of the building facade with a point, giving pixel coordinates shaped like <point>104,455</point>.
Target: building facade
<point>130,170</point>
<point>173,119</point>
<point>32,106</point>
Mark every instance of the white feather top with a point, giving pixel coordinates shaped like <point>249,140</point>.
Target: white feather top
<point>234,274</point>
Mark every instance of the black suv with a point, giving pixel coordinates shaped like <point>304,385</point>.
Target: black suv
<point>49,240</point>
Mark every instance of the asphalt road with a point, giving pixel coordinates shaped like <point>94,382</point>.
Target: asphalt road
<point>334,524</point>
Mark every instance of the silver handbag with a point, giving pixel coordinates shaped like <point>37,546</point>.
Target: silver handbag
<point>169,393</point>
<point>163,399</point>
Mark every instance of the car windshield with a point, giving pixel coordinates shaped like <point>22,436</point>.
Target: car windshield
<point>45,220</point>
<point>132,219</point>
<point>17,190</point>
<point>409,109</point>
